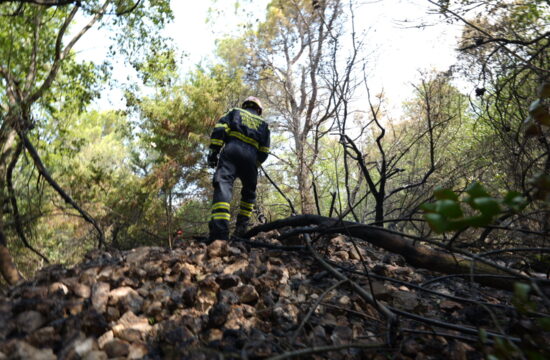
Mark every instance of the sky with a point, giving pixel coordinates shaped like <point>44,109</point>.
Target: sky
<point>398,49</point>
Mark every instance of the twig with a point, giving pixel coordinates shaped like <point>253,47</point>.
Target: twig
<point>439,323</point>
<point>322,349</point>
<point>388,314</point>
<point>446,335</point>
<point>279,190</point>
<point>312,309</point>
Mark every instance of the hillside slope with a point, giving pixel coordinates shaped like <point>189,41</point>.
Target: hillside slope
<point>233,300</point>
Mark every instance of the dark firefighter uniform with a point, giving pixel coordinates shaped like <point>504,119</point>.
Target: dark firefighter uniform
<point>244,136</point>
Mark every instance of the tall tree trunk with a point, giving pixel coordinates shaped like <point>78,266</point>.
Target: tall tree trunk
<point>8,144</point>
<point>303,176</point>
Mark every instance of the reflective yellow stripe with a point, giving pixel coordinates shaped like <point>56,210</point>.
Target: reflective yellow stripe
<point>245,212</point>
<point>244,138</point>
<point>249,113</point>
<point>246,205</point>
<point>264,149</point>
<point>216,142</point>
<point>225,126</point>
<point>221,216</point>
<point>220,205</point>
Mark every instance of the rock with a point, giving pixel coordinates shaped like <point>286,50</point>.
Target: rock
<point>381,291</point>
<point>344,300</point>
<point>286,315</point>
<point>89,276</point>
<point>152,308</point>
<point>217,315</point>
<point>80,290</point>
<point>405,300</point>
<point>58,288</point>
<point>228,297</point>
<point>25,351</point>
<point>96,355</point>
<point>227,281</point>
<point>29,321</point>
<point>341,335</point>
<point>93,323</point>
<point>132,321</point>
<point>214,335</point>
<point>238,265</point>
<point>189,296</point>
<point>449,305</point>
<point>127,334</point>
<point>139,255</point>
<point>100,296</point>
<point>112,313</point>
<point>126,297</point>
<point>46,336</point>
<point>354,254</point>
<point>153,269</point>
<point>342,255</point>
<point>34,292</point>
<point>116,348</point>
<point>105,338</point>
<point>218,248</point>
<point>75,306</point>
<point>137,351</point>
<point>85,346</point>
<point>380,269</point>
<point>247,294</point>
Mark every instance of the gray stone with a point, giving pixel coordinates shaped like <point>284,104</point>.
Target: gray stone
<point>247,294</point>
<point>29,321</point>
<point>100,296</point>
<point>116,348</point>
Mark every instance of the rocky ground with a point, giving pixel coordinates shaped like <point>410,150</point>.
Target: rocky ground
<point>231,300</point>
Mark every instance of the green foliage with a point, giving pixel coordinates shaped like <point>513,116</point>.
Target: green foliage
<point>446,213</point>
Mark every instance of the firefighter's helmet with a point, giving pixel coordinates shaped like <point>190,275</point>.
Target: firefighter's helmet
<point>254,100</point>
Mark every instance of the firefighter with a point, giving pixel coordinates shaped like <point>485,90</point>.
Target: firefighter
<point>238,145</point>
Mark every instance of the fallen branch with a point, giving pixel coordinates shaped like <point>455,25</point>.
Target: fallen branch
<point>322,349</point>
<point>415,254</point>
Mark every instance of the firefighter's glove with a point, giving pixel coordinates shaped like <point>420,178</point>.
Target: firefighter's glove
<point>213,159</point>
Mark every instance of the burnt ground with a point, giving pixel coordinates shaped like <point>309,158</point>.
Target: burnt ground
<point>233,300</point>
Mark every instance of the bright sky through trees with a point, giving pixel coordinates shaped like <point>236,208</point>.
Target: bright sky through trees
<point>398,48</point>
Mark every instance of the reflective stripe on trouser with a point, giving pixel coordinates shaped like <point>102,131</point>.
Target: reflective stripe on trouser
<point>237,160</point>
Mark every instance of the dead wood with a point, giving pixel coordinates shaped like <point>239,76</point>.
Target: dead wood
<point>416,254</point>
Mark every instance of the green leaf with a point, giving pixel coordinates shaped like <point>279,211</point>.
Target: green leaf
<point>544,323</point>
<point>487,205</point>
<point>476,190</point>
<point>455,225</point>
<point>449,208</point>
<point>483,335</point>
<point>515,201</point>
<point>445,194</point>
<point>437,222</point>
<point>477,221</point>
<point>521,291</point>
<point>429,207</point>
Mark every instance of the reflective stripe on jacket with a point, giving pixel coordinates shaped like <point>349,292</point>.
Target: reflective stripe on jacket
<point>242,125</point>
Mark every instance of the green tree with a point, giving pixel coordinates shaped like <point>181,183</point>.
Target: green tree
<point>35,48</point>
